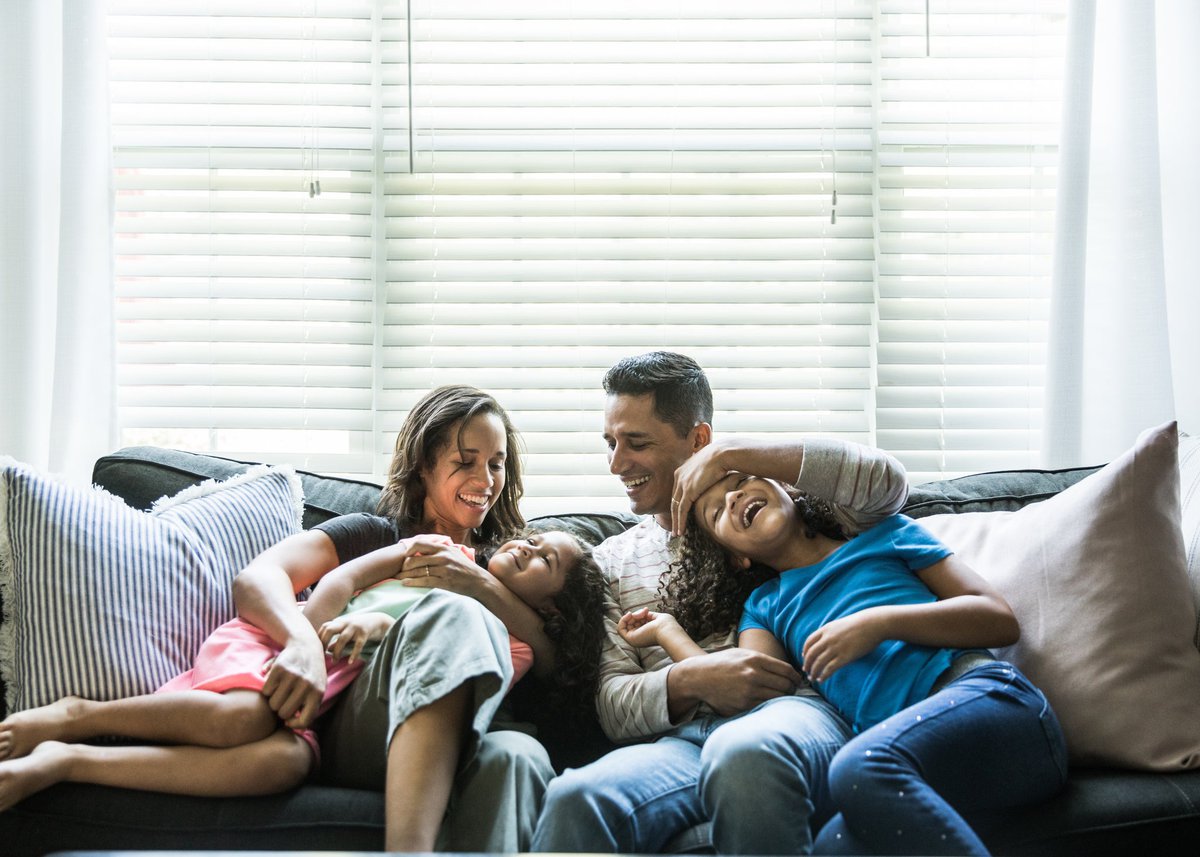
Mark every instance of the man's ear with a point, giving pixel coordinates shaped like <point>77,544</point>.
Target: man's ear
<point>701,436</point>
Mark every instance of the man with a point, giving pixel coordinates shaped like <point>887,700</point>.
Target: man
<point>732,741</point>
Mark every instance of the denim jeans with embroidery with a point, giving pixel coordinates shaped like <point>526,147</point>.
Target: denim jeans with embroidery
<point>918,781</point>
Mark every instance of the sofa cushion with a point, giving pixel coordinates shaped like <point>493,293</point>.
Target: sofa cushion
<point>1096,577</point>
<point>592,527</point>
<point>143,474</point>
<point>1001,491</point>
<point>103,600</point>
<point>71,817</point>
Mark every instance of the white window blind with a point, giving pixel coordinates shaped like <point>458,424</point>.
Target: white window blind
<point>597,179</point>
<point>965,183</point>
<point>517,195</point>
<point>246,306</point>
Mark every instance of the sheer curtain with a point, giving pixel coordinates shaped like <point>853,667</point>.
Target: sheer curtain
<point>1124,345</point>
<point>56,340</point>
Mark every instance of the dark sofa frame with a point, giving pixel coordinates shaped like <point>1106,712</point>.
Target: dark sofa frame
<point>1101,812</point>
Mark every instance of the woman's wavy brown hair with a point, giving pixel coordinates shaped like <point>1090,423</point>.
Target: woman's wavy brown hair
<point>576,627</point>
<point>430,427</point>
<point>705,588</point>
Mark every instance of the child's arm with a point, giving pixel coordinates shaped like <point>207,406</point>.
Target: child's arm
<point>338,586</point>
<point>758,640</point>
<point>645,627</point>
<point>443,567</point>
<point>353,631</point>
<point>969,613</point>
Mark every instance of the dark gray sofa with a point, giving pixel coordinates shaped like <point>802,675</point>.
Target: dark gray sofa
<point>1101,812</point>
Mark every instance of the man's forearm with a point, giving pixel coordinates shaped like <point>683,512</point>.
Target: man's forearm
<point>772,459</point>
<point>683,690</point>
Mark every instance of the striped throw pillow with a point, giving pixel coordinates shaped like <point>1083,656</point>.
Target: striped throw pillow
<point>105,601</point>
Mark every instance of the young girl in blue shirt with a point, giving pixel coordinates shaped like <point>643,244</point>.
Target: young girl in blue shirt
<point>888,625</point>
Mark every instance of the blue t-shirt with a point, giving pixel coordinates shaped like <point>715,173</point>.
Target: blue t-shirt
<point>874,568</point>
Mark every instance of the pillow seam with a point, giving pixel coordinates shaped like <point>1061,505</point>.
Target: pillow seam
<point>8,623</point>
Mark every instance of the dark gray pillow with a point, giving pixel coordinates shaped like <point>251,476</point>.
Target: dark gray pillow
<point>592,527</point>
<point>1001,491</point>
<point>142,474</point>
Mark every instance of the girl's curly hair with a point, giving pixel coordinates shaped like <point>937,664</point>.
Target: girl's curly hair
<point>576,628</point>
<point>705,588</point>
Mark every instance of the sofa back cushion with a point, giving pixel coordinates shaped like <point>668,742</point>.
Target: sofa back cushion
<point>141,475</point>
<point>1001,491</point>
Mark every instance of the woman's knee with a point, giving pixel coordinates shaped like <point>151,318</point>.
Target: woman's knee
<point>509,753</point>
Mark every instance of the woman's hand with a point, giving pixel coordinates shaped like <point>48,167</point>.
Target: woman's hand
<point>442,566</point>
<point>353,632</point>
<point>832,646</point>
<point>644,627</point>
<point>296,683</point>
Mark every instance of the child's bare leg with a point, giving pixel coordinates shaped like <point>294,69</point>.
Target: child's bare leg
<point>195,717</point>
<point>273,764</point>
<point>422,761</point>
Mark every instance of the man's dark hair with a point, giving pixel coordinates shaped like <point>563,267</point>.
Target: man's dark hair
<point>682,397</point>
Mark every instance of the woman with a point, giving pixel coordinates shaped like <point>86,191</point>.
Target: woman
<point>455,473</point>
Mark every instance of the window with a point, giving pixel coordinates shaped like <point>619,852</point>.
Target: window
<point>516,195</point>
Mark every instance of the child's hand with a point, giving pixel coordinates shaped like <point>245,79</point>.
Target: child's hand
<point>353,632</point>
<point>832,646</point>
<point>642,628</point>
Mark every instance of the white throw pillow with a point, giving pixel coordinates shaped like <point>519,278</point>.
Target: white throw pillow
<point>1096,576</point>
<point>105,601</point>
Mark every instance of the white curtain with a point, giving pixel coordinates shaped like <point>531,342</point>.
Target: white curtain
<point>1124,341</point>
<point>57,408</point>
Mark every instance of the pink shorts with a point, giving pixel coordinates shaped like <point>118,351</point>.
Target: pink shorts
<point>238,655</point>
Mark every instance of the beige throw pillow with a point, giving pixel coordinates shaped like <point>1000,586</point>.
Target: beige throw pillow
<point>1097,578</point>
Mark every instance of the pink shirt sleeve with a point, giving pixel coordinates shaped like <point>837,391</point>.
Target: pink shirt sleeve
<point>522,653</point>
<point>522,658</point>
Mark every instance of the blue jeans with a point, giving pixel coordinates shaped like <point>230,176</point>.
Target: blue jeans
<point>760,777</point>
<point>915,783</point>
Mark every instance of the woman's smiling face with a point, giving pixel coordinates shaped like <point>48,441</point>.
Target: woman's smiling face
<point>466,478</point>
<point>747,515</point>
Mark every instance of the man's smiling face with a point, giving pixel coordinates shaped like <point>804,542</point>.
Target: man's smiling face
<point>643,451</point>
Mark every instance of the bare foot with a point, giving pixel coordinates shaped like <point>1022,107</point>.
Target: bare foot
<point>45,766</point>
<point>20,733</point>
